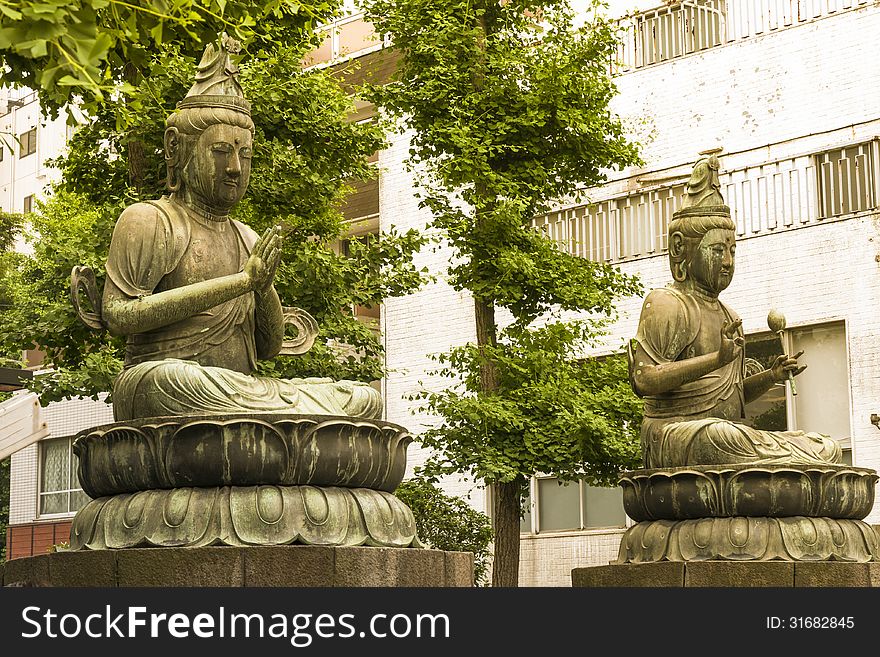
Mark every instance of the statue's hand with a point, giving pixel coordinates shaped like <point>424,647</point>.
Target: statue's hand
<point>731,342</point>
<point>263,261</point>
<point>785,364</point>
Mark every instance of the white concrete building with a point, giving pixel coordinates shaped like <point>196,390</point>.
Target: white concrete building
<point>28,139</point>
<point>790,89</point>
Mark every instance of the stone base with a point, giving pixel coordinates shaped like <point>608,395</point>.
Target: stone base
<point>282,566</point>
<point>729,574</point>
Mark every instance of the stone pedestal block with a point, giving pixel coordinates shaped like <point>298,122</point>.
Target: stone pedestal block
<point>726,574</point>
<point>284,566</point>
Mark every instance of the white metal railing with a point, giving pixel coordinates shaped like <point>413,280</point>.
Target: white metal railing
<point>763,199</point>
<point>669,32</point>
<point>689,26</point>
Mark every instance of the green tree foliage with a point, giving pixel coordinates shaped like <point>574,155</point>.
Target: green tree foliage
<point>10,228</point>
<point>508,105</point>
<point>448,523</point>
<point>551,412</point>
<point>89,50</point>
<point>304,151</point>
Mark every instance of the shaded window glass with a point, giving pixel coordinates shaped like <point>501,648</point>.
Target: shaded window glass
<point>603,507</point>
<point>525,523</point>
<point>60,491</point>
<point>768,412</point>
<point>558,505</point>
<point>822,402</point>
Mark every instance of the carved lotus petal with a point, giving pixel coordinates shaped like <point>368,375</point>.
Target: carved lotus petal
<point>257,449</point>
<point>246,515</point>
<point>795,538</point>
<point>749,490</point>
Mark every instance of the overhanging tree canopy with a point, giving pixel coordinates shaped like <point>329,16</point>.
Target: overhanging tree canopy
<point>508,107</point>
<point>305,151</point>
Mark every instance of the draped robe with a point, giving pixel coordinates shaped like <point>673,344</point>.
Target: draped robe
<point>702,422</point>
<point>203,364</point>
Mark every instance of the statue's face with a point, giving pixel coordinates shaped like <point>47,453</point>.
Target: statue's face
<point>218,171</point>
<point>712,261</point>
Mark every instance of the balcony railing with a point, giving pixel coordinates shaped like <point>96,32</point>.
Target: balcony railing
<point>692,25</point>
<point>767,198</point>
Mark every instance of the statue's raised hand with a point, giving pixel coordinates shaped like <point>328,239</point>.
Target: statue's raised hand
<point>731,342</point>
<point>785,364</point>
<point>263,261</point>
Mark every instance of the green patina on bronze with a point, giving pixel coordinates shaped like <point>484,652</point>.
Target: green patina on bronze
<point>191,289</point>
<point>203,452</point>
<point>687,359</point>
<point>715,488</point>
<point>831,491</point>
<point>245,515</point>
<point>269,448</point>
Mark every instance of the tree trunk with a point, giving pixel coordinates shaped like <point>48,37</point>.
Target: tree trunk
<point>484,314</point>
<point>505,568</point>
<point>136,154</point>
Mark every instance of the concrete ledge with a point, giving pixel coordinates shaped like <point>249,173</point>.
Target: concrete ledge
<point>694,574</point>
<point>285,566</point>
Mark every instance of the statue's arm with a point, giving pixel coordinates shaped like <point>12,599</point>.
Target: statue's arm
<point>650,378</point>
<point>757,384</point>
<point>125,316</point>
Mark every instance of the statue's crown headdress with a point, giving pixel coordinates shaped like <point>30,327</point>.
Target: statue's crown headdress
<point>216,83</point>
<point>703,191</point>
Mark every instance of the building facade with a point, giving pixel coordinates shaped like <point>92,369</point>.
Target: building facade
<point>790,91</point>
<point>28,140</point>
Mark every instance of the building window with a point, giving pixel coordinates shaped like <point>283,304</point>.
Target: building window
<point>28,204</point>
<point>822,400</point>
<point>554,506</point>
<point>27,143</point>
<point>845,180</point>
<point>60,492</point>
<point>348,37</point>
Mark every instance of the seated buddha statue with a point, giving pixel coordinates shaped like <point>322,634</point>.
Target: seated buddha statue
<point>192,289</point>
<point>687,359</point>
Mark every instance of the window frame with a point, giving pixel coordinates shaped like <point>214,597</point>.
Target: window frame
<point>40,515</point>
<point>536,532</point>
<point>27,143</point>
<point>830,202</point>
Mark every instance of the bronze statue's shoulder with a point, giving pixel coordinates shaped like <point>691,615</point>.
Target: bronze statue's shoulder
<point>665,300</point>
<point>142,211</point>
<point>670,320</point>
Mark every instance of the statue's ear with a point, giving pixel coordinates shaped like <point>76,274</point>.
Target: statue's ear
<point>677,257</point>
<point>172,144</point>
<point>676,245</point>
<point>172,159</point>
